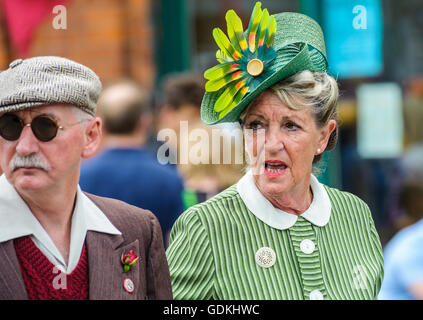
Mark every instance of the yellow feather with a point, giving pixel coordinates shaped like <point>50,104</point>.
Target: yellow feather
<point>236,30</point>
<point>272,31</point>
<point>253,26</point>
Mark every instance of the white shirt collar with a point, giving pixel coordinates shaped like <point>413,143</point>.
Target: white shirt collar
<point>318,213</point>
<point>17,221</point>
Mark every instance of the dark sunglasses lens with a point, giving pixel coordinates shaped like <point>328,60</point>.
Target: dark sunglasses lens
<point>44,128</point>
<point>10,127</point>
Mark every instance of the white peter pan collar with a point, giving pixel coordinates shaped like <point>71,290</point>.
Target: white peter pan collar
<point>17,221</point>
<point>318,213</point>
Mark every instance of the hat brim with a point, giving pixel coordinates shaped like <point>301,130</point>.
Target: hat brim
<point>30,105</point>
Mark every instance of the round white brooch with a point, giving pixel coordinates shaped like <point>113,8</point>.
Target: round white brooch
<point>265,257</point>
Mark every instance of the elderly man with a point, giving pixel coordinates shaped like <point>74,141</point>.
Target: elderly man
<point>56,242</point>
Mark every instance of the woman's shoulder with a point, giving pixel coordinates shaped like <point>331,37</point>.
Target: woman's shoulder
<point>220,204</point>
<point>200,219</point>
<point>225,197</point>
<point>345,199</point>
<point>349,208</point>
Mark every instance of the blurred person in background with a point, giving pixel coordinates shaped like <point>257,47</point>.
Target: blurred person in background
<point>181,101</point>
<point>411,203</point>
<point>125,170</point>
<point>403,279</point>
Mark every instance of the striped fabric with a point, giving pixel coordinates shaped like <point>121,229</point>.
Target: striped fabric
<point>213,246</point>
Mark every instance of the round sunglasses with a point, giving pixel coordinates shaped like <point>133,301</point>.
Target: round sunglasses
<point>44,127</point>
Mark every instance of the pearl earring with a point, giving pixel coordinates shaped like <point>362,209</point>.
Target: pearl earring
<point>318,150</point>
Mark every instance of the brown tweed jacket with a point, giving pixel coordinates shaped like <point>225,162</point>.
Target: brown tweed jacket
<point>140,232</point>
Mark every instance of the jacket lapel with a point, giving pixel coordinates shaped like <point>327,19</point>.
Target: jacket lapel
<point>106,276</point>
<point>12,286</point>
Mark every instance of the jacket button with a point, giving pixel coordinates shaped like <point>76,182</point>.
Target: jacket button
<point>316,295</point>
<point>307,246</point>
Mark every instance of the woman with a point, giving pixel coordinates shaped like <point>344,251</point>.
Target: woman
<point>278,233</point>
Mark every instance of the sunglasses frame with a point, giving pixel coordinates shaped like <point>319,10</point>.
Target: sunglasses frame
<point>23,125</point>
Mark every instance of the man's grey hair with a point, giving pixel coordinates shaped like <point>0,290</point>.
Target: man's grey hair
<point>81,115</point>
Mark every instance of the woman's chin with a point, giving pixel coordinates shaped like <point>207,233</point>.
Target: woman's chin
<point>272,182</point>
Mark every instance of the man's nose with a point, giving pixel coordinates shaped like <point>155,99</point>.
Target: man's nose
<point>27,143</point>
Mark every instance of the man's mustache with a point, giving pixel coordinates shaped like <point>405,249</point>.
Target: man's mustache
<point>31,161</point>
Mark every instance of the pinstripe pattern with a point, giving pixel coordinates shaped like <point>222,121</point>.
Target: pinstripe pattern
<point>213,245</point>
<point>12,285</point>
<point>140,232</point>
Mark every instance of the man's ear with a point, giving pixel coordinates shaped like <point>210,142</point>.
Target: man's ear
<point>92,138</point>
<point>326,131</point>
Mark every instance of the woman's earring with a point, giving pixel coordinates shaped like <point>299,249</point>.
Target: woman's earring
<point>318,151</point>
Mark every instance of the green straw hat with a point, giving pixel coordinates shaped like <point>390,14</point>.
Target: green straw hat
<point>271,49</point>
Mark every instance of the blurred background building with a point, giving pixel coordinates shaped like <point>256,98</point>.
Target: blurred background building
<point>375,50</point>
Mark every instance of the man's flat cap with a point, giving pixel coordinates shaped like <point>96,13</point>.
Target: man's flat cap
<point>48,80</point>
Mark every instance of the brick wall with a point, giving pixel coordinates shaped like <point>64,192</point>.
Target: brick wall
<point>4,52</point>
<point>113,37</point>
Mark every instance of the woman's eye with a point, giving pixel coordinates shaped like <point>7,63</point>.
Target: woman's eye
<point>291,126</point>
<point>255,125</point>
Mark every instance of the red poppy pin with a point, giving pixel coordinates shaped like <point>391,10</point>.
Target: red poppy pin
<point>128,260</point>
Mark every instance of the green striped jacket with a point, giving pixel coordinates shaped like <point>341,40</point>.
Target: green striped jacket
<point>214,245</point>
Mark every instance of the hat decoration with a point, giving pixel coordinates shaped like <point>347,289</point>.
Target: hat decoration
<point>272,49</point>
<point>244,58</point>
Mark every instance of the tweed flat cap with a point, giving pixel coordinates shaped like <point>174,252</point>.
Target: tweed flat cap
<point>48,80</point>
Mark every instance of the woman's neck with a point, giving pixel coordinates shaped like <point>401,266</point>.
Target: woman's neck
<point>291,203</point>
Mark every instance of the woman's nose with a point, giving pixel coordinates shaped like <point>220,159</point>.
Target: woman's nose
<point>274,139</point>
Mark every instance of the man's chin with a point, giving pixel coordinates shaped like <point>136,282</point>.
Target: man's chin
<point>29,179</point>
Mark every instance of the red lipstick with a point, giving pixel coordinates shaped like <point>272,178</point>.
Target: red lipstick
<point>274,168</point>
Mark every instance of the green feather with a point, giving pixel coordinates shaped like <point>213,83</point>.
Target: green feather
<point>234,36</point>
<point>220,70</point>
<point>237,99</point>
<point>222,57</point>
<point>235,30</point>
<point>271,32</point>
<point>223,42</point>
<point>263,28</point>
<point>253,26</point>
<point>217,84</point>
<point>227,97</point>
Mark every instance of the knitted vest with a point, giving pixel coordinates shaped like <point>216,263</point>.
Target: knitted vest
<point>43,281</point>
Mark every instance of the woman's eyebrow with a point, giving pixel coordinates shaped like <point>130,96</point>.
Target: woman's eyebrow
<point>294,117</point>
<point>256,115</point>
<point>290,117</point>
